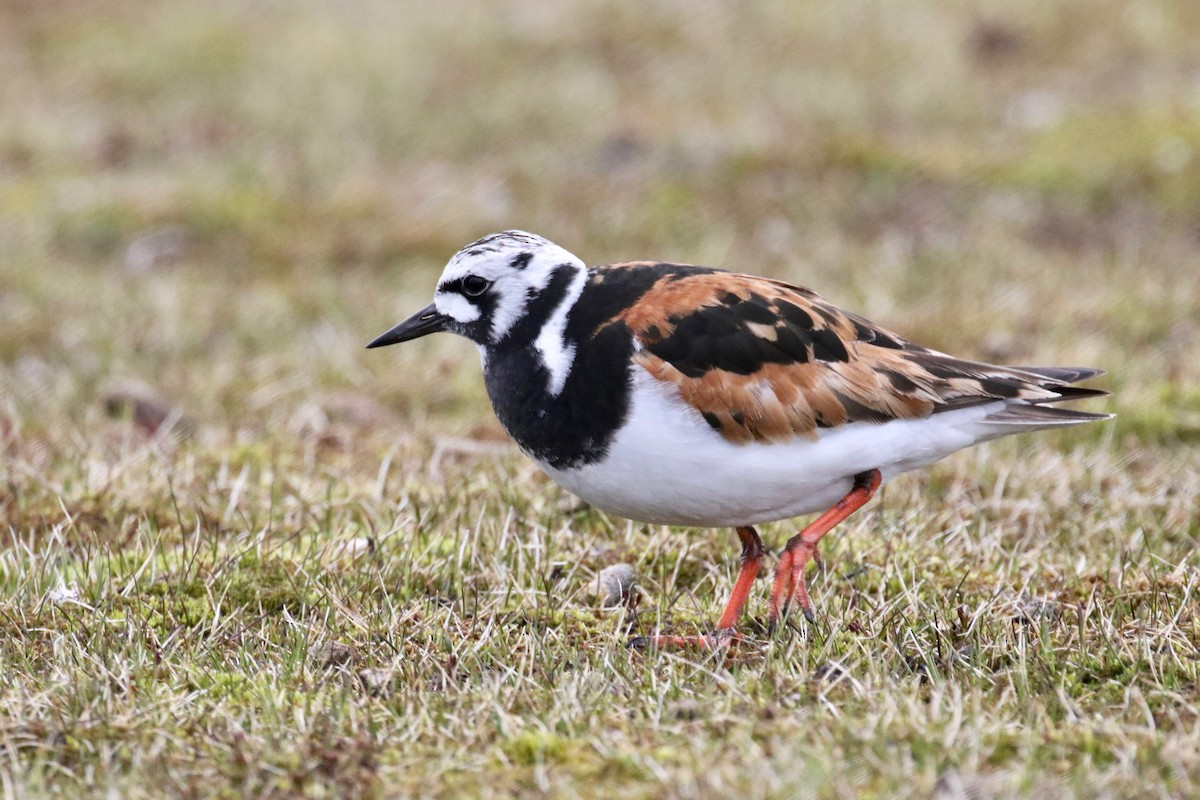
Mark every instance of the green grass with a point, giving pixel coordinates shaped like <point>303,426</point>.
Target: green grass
<point>244,557</point>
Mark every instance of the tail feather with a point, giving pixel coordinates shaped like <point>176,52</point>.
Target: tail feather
<point>1062,374</point>
<point>1066,393</point>
<point>1016,417</point>
<point>1022,415</point>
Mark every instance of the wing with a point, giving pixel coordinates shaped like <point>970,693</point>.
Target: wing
<point>762,360</point>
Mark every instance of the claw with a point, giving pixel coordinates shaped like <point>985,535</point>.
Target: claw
<point>789,582</point>
<point>726,632</point>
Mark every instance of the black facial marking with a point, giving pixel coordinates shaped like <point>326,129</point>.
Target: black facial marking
<point>470,288</point>
<point>521,261</point>
<point>541,304</point>
<point>575,427</point>
<point>479,330</point>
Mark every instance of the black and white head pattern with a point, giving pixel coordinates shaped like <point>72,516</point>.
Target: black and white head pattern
<point>514,289</point>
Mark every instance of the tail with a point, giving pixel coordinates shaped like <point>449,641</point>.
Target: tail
<point>1020,416</point>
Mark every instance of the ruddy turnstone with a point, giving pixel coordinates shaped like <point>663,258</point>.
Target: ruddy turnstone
<point>685,395</point>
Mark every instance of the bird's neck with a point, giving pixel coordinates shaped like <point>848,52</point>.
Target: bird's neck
<point>558,388</point>
<point>542,328</point>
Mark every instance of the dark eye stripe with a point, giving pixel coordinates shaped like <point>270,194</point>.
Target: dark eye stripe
<point>466,286</point>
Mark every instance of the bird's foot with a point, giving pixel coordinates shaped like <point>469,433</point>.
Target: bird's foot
<point>790,585</point>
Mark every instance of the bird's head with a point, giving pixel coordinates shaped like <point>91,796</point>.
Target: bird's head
<point>489,287</point>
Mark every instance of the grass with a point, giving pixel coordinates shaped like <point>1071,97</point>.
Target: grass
<point>243,557</point>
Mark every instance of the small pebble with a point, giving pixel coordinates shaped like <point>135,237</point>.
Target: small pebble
<point>686,711</point>
<point>335,654</point>
<point>156,248</point>
<point>144,408</point>
<point>376,681</point>
<point>64,595</point>
<point>614,584</point>
<point>829,672</point>
<point>1032,609</point>
<point>570,504</point>
<point>347,550</point>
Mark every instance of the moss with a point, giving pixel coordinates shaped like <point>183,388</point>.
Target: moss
<point>271,586</point>
<point>537,747</point>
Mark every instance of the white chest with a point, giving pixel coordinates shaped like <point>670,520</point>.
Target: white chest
<point>666,465</point>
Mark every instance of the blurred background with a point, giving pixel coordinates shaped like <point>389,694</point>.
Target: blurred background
<point>241,550</point>
<point>206,210</point>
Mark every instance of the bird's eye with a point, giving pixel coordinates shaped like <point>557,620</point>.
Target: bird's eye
<point>473,285</point>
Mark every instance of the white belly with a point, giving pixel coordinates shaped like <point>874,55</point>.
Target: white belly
<point>668,466</point>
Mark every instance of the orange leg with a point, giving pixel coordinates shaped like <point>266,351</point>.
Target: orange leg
<point>752,556</point>
<point>789,575</point>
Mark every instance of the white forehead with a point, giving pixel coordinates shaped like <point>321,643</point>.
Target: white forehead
<point>518,254</point>
<point>516,264</point>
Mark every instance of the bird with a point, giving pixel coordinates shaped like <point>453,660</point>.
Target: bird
<point>685,395</point>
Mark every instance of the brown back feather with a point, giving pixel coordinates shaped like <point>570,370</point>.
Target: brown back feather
<point>762,360</point>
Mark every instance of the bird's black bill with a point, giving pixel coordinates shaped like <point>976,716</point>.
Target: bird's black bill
<point>427,320</point>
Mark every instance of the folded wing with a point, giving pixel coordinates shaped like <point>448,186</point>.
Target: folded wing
<point>762,360</point>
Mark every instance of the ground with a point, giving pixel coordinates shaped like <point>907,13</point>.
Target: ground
<point>245,557</point>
